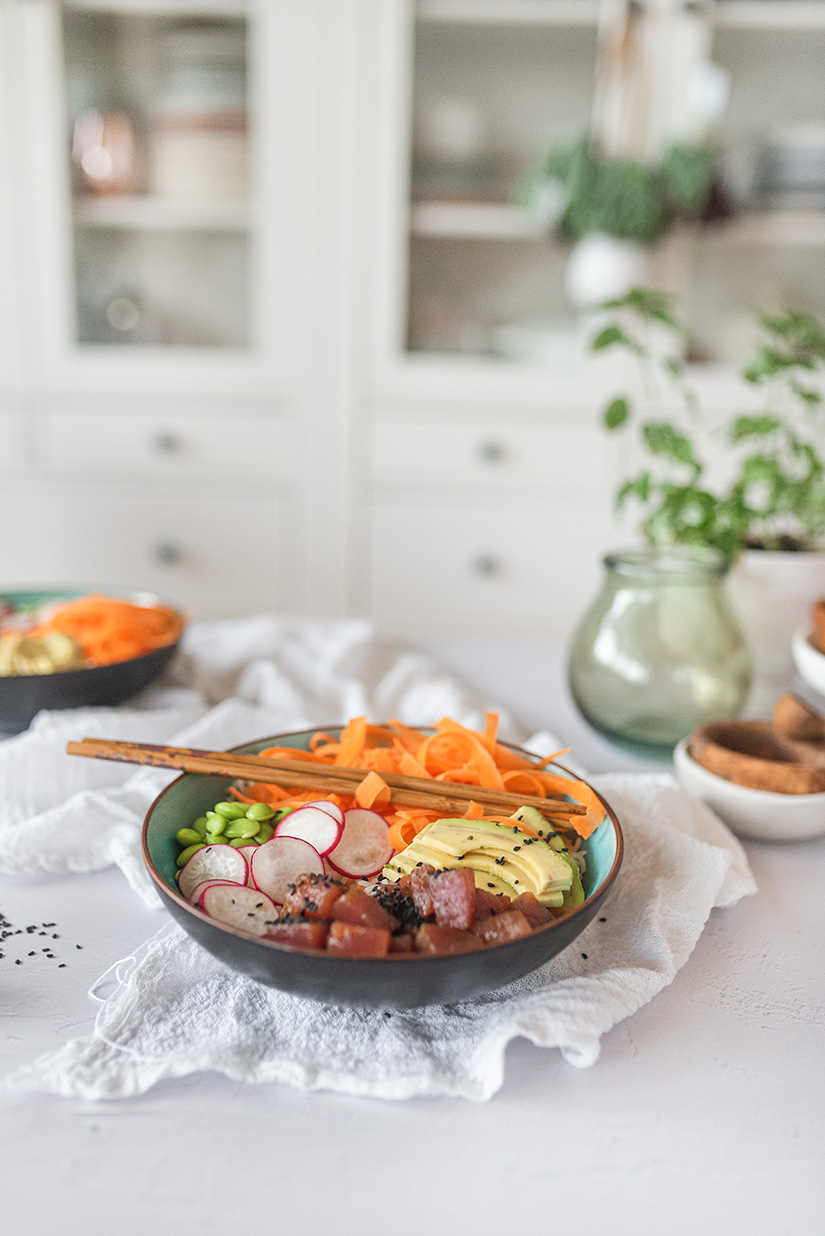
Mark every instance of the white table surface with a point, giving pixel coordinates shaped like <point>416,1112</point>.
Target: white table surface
<point>702,1116</point>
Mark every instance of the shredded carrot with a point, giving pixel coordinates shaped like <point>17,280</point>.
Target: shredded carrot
<point>373,789</point>
<point>452,754</point>
<point>109,629</point>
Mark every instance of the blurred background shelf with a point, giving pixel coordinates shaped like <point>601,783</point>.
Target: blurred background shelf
<point>773,227</point>
<point>509,12</point>
<point>475,220</point>
<point>149,213</point>
<point>770,15</point>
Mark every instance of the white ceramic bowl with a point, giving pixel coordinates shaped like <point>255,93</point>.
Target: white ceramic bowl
<point>809,661</point>
<point>758,814</point>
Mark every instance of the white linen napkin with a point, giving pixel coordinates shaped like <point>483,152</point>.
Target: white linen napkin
<point>177,1010</point>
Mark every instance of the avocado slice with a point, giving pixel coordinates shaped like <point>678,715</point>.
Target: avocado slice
<point>533,818</point>
<point>495,851</point>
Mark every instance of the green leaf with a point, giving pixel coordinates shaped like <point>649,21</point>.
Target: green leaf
<point>608,337</point>
<point>616,413</point>
<point>752,427</point>
<point>662,439</point>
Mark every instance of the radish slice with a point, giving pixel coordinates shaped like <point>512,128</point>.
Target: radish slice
<point>214,862</point>
<point>247,909</point>
<point>248,851</point>
<point>363,849</point>
<point>280,862</point>
<point>312,824</point>
<point>197,892</point>
<point>323,804</point>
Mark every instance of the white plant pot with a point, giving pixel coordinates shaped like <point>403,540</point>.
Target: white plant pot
<point>772,594</point>
<point>603,268</point>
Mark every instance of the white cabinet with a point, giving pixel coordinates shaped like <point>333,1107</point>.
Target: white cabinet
<point>277,329</point>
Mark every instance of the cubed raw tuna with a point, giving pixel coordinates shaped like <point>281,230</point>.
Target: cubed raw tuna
<point>419,884</point>
<point>430,938</point>
<point>488,903</point>
<point>348,939</point>
<point>500,928</point>
<point>402,943</point>
<point>454,897</point>
<point>300,933</point>
<point>532,909</point>
<point>356,906</point>
<point>314,896</point>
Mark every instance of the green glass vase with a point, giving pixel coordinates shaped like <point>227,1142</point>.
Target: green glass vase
<point>659,651</point>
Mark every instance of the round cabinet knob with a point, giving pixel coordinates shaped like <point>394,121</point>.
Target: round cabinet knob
<point>491,451</point>
<point>487,565</point>
<point>166,443</point>
<point>167,553</point>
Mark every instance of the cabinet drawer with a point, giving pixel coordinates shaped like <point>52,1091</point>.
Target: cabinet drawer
<point>221,558</point>
<point>425,450</point>
<point>229,445</point>
<point>478,571</point>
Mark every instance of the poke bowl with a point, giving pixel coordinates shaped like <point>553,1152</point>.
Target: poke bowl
<point>74,680</point>
<point>399,979</point>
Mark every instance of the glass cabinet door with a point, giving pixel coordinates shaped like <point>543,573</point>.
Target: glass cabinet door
<point>157,145</point>
<point>770,253</point>
<point>493,86</point>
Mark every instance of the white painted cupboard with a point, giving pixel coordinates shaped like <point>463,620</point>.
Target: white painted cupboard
<point>345,378</point>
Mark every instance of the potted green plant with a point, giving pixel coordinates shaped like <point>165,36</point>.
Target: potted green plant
<point>615,210</point>
<point>767,514</point>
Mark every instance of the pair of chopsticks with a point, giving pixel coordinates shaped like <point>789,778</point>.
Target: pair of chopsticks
<point>300,774</point>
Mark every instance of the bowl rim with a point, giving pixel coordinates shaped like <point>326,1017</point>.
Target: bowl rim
<point>117,591</point>
<point>166,890</point>
<point>681,752</point>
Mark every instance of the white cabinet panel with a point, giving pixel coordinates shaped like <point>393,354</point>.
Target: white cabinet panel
<point>476,570</point>
<point>423,450</point>
<point>217,558</point>
<point>175,445</point>
<point>11,440</point>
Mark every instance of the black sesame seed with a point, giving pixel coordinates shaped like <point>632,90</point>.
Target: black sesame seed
<point>62,965</point>
<point>18,962</point>
<point>516,847</point>
<point>78,946</point>
<point>602,920</point>
<point>491,885</point>
<point>31,954</point>
<point>584,955</point>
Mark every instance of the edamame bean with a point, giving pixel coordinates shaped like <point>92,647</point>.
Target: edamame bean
<point>231,811</point>
<point>215,823</point>
<point>200,825</point>
<point>265,833</point>
<point>215,839</point>
<point>242,828</point>
<point>185,855</point>
<point>237,842</point>
<point>189,836</point>
<point>260,811</point>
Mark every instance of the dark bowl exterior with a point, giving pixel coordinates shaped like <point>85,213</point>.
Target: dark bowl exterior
<point>397,982</point>
<point>21,698</point>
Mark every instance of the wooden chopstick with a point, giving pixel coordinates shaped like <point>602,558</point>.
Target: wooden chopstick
<point>301,774</point>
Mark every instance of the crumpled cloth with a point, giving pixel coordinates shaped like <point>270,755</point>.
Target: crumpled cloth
<point>176,1010</point>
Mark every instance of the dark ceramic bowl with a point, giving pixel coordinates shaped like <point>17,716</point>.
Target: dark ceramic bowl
<point>393,982</point>
<point>24,696</point>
